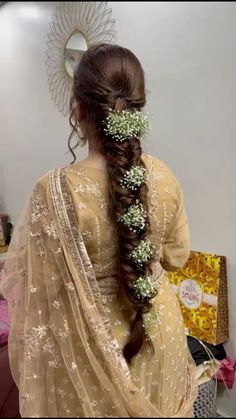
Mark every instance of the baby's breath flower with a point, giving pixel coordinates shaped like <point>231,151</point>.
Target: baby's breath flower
<point>126,124</point>
<point>142,252</point>
<point>134,177</point>
<point>134,218</point>
<point>144,288</point>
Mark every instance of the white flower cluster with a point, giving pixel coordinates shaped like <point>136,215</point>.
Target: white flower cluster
<point>134,177</point>
<point>126,124</point>
<point>135,217</point>
<point>144,288</point>
<point>142,252</point>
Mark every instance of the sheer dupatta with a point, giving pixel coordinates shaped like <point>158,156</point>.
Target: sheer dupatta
<point>63,356</point>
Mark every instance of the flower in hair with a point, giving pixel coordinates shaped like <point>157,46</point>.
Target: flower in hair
<point>134,218</point>
<point>142,252</point>
<point>126,124</point>
<point>134,177</point>
<point>144,288</point>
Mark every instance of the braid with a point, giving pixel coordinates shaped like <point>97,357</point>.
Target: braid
<point>121,157</point>
<point>111,77</point>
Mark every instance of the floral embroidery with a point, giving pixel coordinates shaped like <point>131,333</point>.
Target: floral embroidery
<point>50,230</point>
<point>40,331</point>
<point>29,396</point>
<point>70,286</point>
<point>109,347</point>
<point>74,365</point>
<point>87,234</point>
<point>41,248</point>
<point>93,189</point>
<point>31,339</point>
<point>39,208</point>
<point>61,392</point>
<point>32,289</point>
<point>81,205</point>
<point>54,363</point>
<point>56,304</point>
<point>49,346</point>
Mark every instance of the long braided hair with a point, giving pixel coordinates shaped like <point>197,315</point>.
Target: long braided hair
<point>107,78</point>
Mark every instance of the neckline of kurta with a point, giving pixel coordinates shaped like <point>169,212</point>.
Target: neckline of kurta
<point>86,167</point>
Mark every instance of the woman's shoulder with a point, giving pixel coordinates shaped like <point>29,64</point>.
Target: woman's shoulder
<point>159,169</point>
<point>42,183</point>
<point>154,162</point>
<point>44,179</point>
<point>163,180</point>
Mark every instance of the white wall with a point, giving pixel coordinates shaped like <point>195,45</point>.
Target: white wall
<point>188,51</point>
<point>33,134</point>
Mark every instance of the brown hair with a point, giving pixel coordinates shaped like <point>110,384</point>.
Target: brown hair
<point>111,77</point>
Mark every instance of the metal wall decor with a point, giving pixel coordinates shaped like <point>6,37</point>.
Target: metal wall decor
<point>75,26</point>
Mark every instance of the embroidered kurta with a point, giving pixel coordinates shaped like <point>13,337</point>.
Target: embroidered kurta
<point>69,318</point>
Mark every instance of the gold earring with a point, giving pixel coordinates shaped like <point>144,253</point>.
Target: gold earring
<point>82,140</point>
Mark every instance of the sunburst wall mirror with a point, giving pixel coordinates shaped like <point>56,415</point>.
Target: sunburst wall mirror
<point>75,26</point>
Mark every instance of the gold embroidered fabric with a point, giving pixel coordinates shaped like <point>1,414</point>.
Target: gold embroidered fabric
<point>69,318</point>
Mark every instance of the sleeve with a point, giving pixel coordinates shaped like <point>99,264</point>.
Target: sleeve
<point>176,246</point>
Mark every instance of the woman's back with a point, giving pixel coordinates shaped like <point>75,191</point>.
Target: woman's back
<point>89,191</point>
<point>89,188</point>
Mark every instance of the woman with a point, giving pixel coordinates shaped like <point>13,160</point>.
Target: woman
<point>96,330</point>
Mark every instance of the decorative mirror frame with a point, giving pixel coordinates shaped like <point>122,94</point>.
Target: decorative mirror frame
<point>91,19</point>
<point>69,68</point>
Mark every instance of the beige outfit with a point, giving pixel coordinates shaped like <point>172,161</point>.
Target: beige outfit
<point>69,319</point>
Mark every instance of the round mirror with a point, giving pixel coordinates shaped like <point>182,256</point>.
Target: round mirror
<point>74,49</point>
<point>75,26</point>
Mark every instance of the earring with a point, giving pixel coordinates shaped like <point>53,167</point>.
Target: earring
<point>82,140</point>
